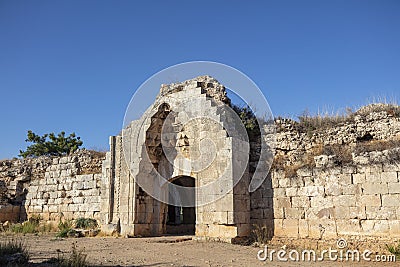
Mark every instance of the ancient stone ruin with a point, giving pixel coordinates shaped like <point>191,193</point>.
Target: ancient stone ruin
<point>330,178</point>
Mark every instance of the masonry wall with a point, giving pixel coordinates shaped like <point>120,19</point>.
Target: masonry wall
<point>51,187</point>
<point>326,183</point>
<point>327,203</point>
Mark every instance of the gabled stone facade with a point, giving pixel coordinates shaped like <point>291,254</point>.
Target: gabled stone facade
<point>200,142</point>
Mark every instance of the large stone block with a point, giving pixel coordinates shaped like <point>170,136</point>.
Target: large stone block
<point>390,200</point>
<point>358,178</point>
<point>311,191</point>
<point>352,189</point>
<point>291,191</point>
<point>342,213</point>
<point>344,201</point>
<point>394,188</point>
<point>321,202</point>
<point>374,188</point>
<point>291,227</point>
<point>357,213</point>
<point>294,213</point>
<point>394,227</point>
<point>303,228</point>
<point>301,202</point>
<point>389,177</point>
<point>383,213</point>
<point>370,200</point>
<point>282,202</point>
<point>348,227</point>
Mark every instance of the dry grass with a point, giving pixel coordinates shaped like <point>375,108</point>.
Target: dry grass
<point>310,123</point>
<point>343,153</point>
<point>377,145</point>
<point>76,258</point>
<point>260,233</point>
<point>281,162</point>
<point>13,252</point>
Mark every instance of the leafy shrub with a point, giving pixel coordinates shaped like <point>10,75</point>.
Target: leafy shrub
<point>64,228</point>
<point>57,145</point>
<point>249,121</point>
<point>86,223</point>
<point>13,252</point>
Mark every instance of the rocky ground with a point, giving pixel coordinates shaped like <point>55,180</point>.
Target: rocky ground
<point>159,251</point>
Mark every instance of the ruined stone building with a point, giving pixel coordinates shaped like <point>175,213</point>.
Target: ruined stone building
<point>185,116</point>
<point>339,178</point>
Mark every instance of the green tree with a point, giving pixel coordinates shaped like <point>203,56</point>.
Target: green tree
<point>56,145</point>
<point>248,119</point>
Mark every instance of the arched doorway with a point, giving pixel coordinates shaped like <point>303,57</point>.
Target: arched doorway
<point>181,220</point>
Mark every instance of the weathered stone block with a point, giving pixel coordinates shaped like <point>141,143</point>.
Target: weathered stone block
<point>282,202</point>
<point>370,200</point>
<point>358,178</point>
<point>348,227</point>
<point>279,192</point>
<point>279,213</point>
<point>374,178</point>
<point>389,177</point>
<point>301,202</point>
<point>303,228</point>
<point>352,189</point>
<point>394,188</point>
<point>291,227</point>
<point>383,213</point>
<point>312,191</point>
<point>374,188</point>
<point>321,202</point>
<point>345,179</point>
<point>284,182</point>
<point>342,212</point>
<point>390,200</point>
<point>357,213</point>
<point>294,213</point>
<point>291,191</point>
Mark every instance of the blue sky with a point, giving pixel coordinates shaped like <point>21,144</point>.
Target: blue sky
<point>74,65</point>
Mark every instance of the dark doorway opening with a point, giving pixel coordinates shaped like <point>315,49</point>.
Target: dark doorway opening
<point>181,220</point>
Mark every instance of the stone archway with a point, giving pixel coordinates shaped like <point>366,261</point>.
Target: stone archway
<point>180,219</point>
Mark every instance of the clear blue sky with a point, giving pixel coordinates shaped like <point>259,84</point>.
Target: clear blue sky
<point>74,65</point>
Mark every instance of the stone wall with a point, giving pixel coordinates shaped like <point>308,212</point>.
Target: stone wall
<point>51,187</point>
<point>323,203</point>
<point>350,192</point>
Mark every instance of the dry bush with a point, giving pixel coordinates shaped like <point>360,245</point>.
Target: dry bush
<point>76,258</point>
<point>13,253</point>
<point>260,233</point>
<point>343,152</point>
<point>279,162</point>
<point>390,108</point>
<point>97,153</point>
<point>310,123</point>
<point>377,145</point>
<point>291,170</point>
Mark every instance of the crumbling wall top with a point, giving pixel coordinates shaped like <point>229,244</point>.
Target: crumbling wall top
<point>209,85</point>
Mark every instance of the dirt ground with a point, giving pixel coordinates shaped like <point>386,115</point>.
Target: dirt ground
<point>161,251</point>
